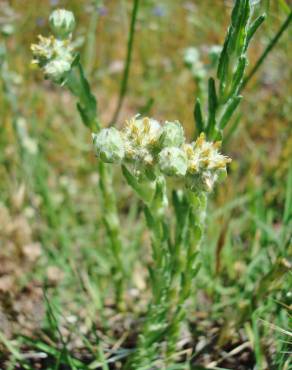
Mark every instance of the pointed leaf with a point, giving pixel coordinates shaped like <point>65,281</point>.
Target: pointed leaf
<point>253,28</point>
<point>212,106</point>
<point>238,76</point>
<point>198,117</point>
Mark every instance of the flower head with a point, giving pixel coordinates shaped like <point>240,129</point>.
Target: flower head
<point>62,23</point>
<point>54,55</point>
<point>56,69</point>
<point>173,162</point>
<point>172,134</point>
<point>205,163</point>
<point>109,145</point>
<point>141,136</point>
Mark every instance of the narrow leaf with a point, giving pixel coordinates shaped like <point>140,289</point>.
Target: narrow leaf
<point>238,76</point>
<point>224,59</point>
<point>236,12</point>
<point>143,192</point>
<point>212,106</point>
<point>87,99</point>
<point>253,28</point>
<point>83,115</point>
<point>198,117</point>
<point>151,224</point>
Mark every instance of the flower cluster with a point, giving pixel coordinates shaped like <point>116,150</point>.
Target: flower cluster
<point>151,150</point>
<point>55,54</point>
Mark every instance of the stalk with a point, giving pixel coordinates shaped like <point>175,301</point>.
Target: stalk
<point>126,73</point>
<point>267,50</point>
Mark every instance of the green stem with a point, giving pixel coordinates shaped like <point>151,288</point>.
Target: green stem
<point>266,52</point>
<point>157,322</point>
<point>125,78</point>
<point>112,225</point>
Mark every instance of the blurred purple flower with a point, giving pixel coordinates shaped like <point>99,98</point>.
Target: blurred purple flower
<point>40,21</point>
<point>54,2</point>
<point>159,11</point>
<point>102,10</point>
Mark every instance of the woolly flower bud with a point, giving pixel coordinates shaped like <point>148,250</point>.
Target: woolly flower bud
<point>205,164</point>
<point>56,69</point>
<point>62,23</point>
<point>172,134</point>
<point>173,162</point>
<point>141,138</point>
<point>142,132</point>
<point>53,56</point>
<point>109,145</point>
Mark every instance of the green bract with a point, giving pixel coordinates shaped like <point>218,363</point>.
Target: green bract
<point>56,69</point>
<point>173,161</point>
<point>62,23</point>
<point>172,134</point>
<point>109,145</point>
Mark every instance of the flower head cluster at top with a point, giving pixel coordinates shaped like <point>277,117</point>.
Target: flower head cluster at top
<point>151,150</point>
<point>54,54</point>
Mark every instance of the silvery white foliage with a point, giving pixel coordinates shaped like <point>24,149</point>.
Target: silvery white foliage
<point>172,134</point>
<point>109,145</point>
<point>62,23</point>
<point>173,162</point>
